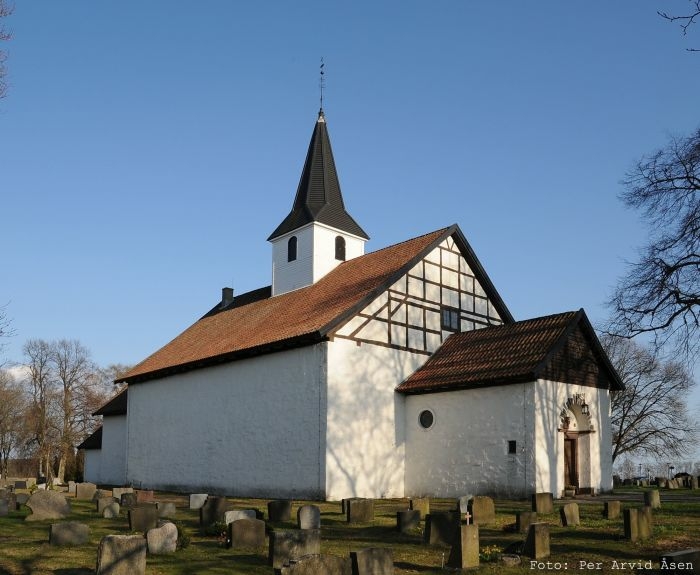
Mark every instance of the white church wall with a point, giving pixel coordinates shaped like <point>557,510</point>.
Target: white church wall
<point>92,466</point>
<point>466,450</point>
<point>113,466</point>
<point>254,427</point>
<point>365,445</point>
<point>594,449</point>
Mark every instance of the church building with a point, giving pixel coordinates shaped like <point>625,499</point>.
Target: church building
<point>399,372</point>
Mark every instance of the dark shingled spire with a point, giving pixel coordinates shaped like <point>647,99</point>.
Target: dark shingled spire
<point>318,197</point>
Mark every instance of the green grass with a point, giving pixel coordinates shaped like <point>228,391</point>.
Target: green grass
<point>24,547</point>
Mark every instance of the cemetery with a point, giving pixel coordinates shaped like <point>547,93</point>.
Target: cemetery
<point>134,531</point>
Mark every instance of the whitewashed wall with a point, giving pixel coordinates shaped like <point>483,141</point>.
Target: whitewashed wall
<point>466,449</point>
<point>594,449</point>
<point>92,465</point>
<point>365,445</point>
<point>254,427</point>
<point>113,464</point>
<point>315,256</point>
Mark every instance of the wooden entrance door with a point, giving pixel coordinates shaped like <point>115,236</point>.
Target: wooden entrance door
<point>571,461</point>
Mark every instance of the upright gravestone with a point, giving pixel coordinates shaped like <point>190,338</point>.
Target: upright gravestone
<point>543,503</point>
<point>465,551</point>
<point>128,500</point>
<point>611,509</point>
<point>102,494</point>
<point>407,520</point>
<point>286,544</point>
<point>463,504</point>
<point>117,492</point>
<point>197,500</point>
<point>537,541</point>
<point>85,491</point>
<point>47,505</point>
<point>71,487</point>
<point>372,561</point>
<point>236,514</point>
<point>143,518</point>
<point>162,540</point>
<point>111,511</point>
<point>359,510</point>
<point>629,517</point>
<point>482,510</point>
<point>145,496</point>
<point>279,510</point>
<point>102,503</point>
<point>569,515</point>
<point>4,507</point>
<point>166,509</point>
<point>69,533</point>
<point>523,519</point>
<point>309,517</point>
<point>246,533</point>
<point>645,522</point>
<point>317,564</point>
<point>421,504</point>
<point>121,555</point>
<point>441,528</point>
<point>652,498</point>
<point>213,510</point>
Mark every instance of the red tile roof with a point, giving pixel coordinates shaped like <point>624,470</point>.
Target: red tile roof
<point>562,347</point>
<point>300,317</point>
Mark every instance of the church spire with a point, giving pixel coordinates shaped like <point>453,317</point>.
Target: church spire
<point>318,197</point>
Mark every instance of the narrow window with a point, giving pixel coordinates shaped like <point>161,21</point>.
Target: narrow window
<point>450,319</point>
<point>512,447</point>
<point>340,248</point>
<point>292,249</point>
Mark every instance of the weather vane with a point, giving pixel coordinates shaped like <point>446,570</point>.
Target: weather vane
<point>321,83</point>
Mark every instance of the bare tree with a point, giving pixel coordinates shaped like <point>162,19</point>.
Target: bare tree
<point>5,330</point>
<point>650,417</point>
<point>660,294</point>
<point>12,428</point>
<point>685,20</point>
<point>5,10</point>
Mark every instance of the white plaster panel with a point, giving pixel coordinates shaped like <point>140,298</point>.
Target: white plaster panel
<point>365,441</point>
<point>415,315</point>
<point>398,335</point>
<point>415,287</point>
<point>113,464</point>
<point>92,466</point>
<point>450,259</point>
<point>466,450</point>
<point>450,297</point>
<point>432,270</point>
<point>253,427</point>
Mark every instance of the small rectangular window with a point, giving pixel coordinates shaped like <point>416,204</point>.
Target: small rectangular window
<point>450,319</point>
<point>512,447</point>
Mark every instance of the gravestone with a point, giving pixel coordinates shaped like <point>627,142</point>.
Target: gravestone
<point>128,500</point>
<point>279,510</point>
<point>360,510</point>
<point>117,492</point>
<point>11,499</point>
<point>373,560</point>
<point>71,487</point>
<point>143,518</point>
<point>645,522</point>
<point>103,502</point>
<point>197,500</point>
<point>162,540</point>
<point>236,514</point>
<point>694,482</point>
<point>85,491</point>
<point>543,503</point>
<point>213,510</point>
<point>21,499</point>
<point>166,509</point>
<point>537,541</point>
<point>688,558</point>
<point>652,498</point>
<point>482,510</point>
<point>4,507</point>
<point>69,533</point>
<point>309,517</point>
<point>463,504</point>
<point>569,515</point>
<point>246,533</point>
<point>145,496</point>
<point>611,509</point>
<point>629,517</point>
<point>465,551</point>
<point>317,564</point>
<point>523,521</point>
<point>421,504</point>
<point>20,484</point>
<point>441,528</point>
<point>287,544</point>
<point>111,511</point>
<point>407,520</point>
<point>47,505</point>
<point>101,494</point>
<point>121,555</point>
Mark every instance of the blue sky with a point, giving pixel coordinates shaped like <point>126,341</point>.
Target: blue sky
<point>147,149</point>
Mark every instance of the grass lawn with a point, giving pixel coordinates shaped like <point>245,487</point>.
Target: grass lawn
<point>24,547</point>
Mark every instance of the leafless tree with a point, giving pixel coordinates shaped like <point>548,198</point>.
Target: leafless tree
<point>12,421</point>
<point>650,417</point>
<point>5,330</point>
<point>685,20</point>
<point>660,294</point>
<point>5,10</point>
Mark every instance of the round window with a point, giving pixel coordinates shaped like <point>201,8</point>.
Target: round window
<point>426,419</point>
